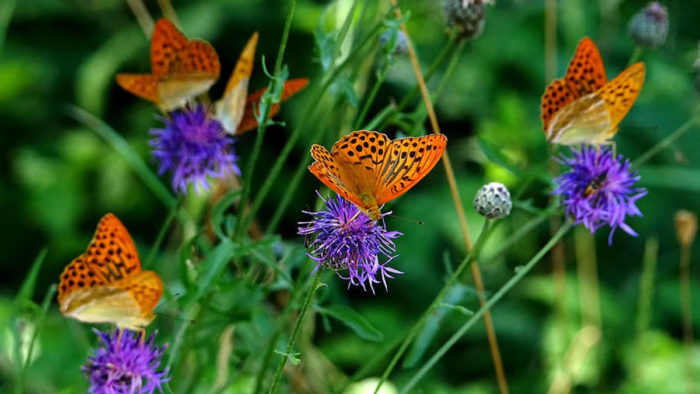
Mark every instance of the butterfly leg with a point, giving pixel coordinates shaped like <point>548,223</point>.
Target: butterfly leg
<point>142,335</point>
<point>120,332</point>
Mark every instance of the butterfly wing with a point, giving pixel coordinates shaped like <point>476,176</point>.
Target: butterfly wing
<point>106,283</point>
<point>586,72</point>
<point>585,75</point>
<point>555,97</point>
<point>229,110</point>
<point>583,121</point>
<point>128,303</point>
<point>248,122</point>
<point>141,85</point>
<point>193,71</point>
<point>407,161</point>
<point>622,91</point>
<point>327,170</point>
<point>166,43</point>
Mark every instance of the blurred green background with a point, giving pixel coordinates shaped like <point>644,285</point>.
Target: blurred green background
<point>58,177</point>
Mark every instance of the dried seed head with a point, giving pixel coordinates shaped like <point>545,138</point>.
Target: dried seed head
<point>686,226</point>
<point>467,16</point>
<point>649,27</point>
<point>493,201</point>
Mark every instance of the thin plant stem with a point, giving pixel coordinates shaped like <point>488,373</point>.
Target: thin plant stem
<point>168,11</point>
<point>519,274</point>
<point>457,200</point>
<point>485,231</point>
<point>272,340</point>
<point>383,118</point>
<point>143,17</point>
<point>297,326</point>
<point>589,294</point>
<point>381,75</point>
<point>646,284</point>
<point>161,234</point>
<point>666,142</point>
<point>687,313</point>
<point>243,222</point>
<point>558,256</point>
<point>636,55</point>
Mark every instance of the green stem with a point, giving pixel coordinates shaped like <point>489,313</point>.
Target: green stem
<point>666,142</point>
<point>244,220</point>
<point>446,77</point>
<point>381,75</point>
<point>270,347</point>
<point>297,326</point>
<point>646,284</point>
<point>383,119</point>
<point>45,304</point>
<point>161,234</point>
<point>636,54</point>
<point>520,273</point>
<point>485,230</point>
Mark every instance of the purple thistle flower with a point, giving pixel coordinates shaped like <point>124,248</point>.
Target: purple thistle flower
<point>598,189</point>
<point>125,364</point>
<point>193,145</point>
<point>346,238</point>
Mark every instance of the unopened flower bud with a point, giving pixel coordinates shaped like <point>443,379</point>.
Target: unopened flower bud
<point>493,201</point>
<point>467,16</point>
<point>401,46</point>
<point>649,27</point>
<point>686,226</point>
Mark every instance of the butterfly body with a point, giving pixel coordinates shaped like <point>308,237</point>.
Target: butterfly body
<point>180,69</point>
<point>585,108</point>
<point>369,170</point>
<point>106,285</point>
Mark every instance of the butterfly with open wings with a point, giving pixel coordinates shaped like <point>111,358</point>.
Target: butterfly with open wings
<point>585,108</point>
<point>106,285</point>
<point>369,169</point>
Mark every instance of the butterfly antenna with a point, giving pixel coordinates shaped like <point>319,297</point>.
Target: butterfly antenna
<point>420,222</point>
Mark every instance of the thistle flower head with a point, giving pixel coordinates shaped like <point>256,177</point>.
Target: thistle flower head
<point>125,364</point>
<point>649,27</point>
<point>344,238</point>
<point>193,146</point>
<point>598,189</point>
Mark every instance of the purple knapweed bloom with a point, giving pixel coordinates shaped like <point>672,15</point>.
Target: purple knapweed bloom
<point>345,238</point>
<point>598,189</point>
<point>125,364</point>
<point>193,145</point>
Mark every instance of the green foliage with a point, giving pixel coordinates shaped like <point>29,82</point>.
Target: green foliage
<point>239,305</point>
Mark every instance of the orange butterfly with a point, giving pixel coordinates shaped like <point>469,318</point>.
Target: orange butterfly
<point>180,69</point>
<point>368,169</point>
<point>236,108</point>
<point>582,108</point>
<point>106,285</point>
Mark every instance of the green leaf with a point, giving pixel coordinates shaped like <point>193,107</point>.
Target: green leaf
<point>429,330</point>
<point>353,320</point>
<point>26,292</point>
<point>217,213</point>
<point>124,149</point>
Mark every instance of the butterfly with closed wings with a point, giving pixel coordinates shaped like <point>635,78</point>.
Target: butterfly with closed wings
<point>235,109</point>
<point>369,169</point>
<point>181,69</point>
<point>585,108</point>
<point>106,285</point>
